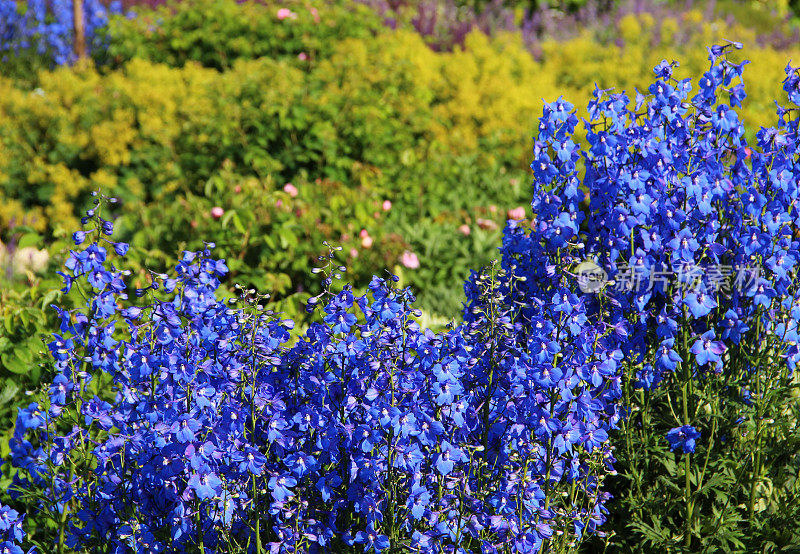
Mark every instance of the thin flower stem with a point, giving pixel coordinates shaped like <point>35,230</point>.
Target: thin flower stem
<point>687,456</point>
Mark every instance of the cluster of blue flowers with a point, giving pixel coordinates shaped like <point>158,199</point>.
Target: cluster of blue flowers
<point>11,533</point>
<point>177,421</point>
<point>47,27</point>
<point>669,187</point>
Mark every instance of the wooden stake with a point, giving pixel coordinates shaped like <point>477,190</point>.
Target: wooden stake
<point>80,32</point>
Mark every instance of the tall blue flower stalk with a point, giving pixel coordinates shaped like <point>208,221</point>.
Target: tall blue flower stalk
<point>695,236</point>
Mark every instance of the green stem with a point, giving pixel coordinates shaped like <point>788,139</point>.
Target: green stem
<point>756,471</point>
<point>708,450</point>
<point>687,460</point>
<point>759,414</point>
<point>200,537</point>
<point>62,525</point>
<point>687,457</point>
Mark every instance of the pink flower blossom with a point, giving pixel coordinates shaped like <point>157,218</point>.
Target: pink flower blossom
<point>410,260</point>
<point>279,203</point>
<point>286,13</point>
<point>493,209</point>
<point>217,212</point>
<point>366,242</point>
<point>486,224</point>
<point>290,189</point>
<point>465,230</point>
<point>387,205</point>
<point>302,56</point>
<point>353,253</point>
<point>363,234</point>
<point>314,14</point>
<point>516,213</point>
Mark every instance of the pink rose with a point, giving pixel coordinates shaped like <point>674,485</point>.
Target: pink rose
<point>363,234</point>
<point>217,212</point>
<point>387,205</point>
<point>516,213</point>
<point>464,230</point>
<point>286,13</point>
<point>410,260</point>
<point>302,56</point>
<point>290,189</point>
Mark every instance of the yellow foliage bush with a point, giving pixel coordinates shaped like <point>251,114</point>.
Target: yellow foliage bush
<point>579,63</point>
<point>379,103</point>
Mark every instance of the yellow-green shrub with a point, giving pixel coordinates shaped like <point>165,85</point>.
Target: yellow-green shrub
<point>81,130</point>
<point>148,131</point>
<point>577,64</point>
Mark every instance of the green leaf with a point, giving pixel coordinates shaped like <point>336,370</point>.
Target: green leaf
<point>8,392</point>
<point>287,237</point>
<point>24,351</point>
<point>226,219</point>
<point>29,239</point>
<point>13,364</point>
<point>4,452</point>
<point>238,223</point>
<point>8,322</point>
<point>49,298</point>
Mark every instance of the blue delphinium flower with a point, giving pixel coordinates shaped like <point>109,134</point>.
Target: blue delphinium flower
<point>683,437</point>
<point>668,358</point>
<point>706,349</point>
